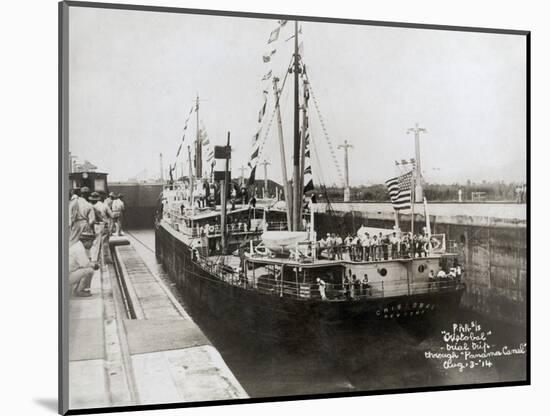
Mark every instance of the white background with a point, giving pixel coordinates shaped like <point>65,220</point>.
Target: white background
<point>28,129</point>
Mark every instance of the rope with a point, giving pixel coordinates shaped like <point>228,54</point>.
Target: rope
<point>323,127</point>
<point>266,134</point>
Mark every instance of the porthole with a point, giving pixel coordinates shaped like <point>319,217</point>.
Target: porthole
<point>382,271</point>
<point>421,268</point>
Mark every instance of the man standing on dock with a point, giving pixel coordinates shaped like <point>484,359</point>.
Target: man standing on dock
<point>118,209</point>
<point>109,202</point>
<point>81,216</point>
<point>104,217</point>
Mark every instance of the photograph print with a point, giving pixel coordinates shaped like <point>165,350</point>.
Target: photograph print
<point>269,207</point>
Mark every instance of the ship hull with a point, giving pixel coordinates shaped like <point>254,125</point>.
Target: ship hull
<point>272,316</point>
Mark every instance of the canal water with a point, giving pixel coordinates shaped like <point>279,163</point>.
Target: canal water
<point>452,350</point>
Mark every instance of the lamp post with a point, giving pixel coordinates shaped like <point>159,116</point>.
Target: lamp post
<point>418,190</point>
<point>265,163</point>
<point>242,169</point>
<point>346,146</point>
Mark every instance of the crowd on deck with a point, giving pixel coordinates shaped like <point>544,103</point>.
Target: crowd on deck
<point>366,247</point>
<point>206,194</point>
<point>93,218</point>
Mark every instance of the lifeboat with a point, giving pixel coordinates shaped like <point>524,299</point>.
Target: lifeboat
<point>278,241</point>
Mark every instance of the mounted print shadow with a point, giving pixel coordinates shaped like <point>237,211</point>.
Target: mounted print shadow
<point>266,207</point>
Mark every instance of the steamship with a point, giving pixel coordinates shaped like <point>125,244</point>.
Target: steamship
<point>260,266</point>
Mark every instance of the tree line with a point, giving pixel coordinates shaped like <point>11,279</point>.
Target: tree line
<point>482,191</point>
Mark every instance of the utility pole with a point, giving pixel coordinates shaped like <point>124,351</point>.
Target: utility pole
<point>346,146</point>
<point>265,163</point>
<point>418,191</point>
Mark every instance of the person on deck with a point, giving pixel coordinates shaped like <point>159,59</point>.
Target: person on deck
<point>374,248</point>
<point>81,268</point>
<point>330,246</point>
<point>394,241</point>
<point>322,288</point>
<point>118,212</point>
<point>339,245</point>
<point>81,216</point>
<point>346,283</point>
<point>244,195</point>
<point>366,287</point>
<point>321,245</point>
<point>365,245</point>
<point>347,246</point>
<point>458,273</point>
<point>431,280</point>
<point>252,202</point>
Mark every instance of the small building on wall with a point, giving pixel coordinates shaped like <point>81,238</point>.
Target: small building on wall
<point>96,181</point>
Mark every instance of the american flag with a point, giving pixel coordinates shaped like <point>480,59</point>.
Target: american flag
<point>399,189</point>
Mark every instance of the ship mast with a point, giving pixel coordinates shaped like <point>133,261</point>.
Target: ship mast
<point>286,184</point>
<point>297,199</point>
<point>198,145</point>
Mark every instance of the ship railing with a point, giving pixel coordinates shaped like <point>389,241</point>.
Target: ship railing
<point>370,253</point>
<point>333,291</point>
<point>179,223</point>
<point>273,285</point>
<point>390,251</point>
<point>391,289</point>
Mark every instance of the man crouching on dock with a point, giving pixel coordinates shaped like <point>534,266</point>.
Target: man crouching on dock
<point>81,268</point>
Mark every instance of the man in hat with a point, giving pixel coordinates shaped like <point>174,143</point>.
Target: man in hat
<point>104,216</point>
<point>394,241</point>
<point>118,209</point>
<point>109,202</point>
<point>81,216</point>
<point>81,268</point>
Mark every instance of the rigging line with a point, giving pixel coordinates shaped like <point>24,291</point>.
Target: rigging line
<point>327,138</point>
<point>185,131</point>
<point>317,161</point>
<point>268,89</point>
<point>262,144</point>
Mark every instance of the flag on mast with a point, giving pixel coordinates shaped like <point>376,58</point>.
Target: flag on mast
<point>399,189</point>
<point>274,35</point>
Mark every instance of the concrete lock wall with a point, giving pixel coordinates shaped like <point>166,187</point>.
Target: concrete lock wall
<point>140,201</point>
<point>492,251</point>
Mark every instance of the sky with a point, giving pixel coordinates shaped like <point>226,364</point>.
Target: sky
<point>133,76</point>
